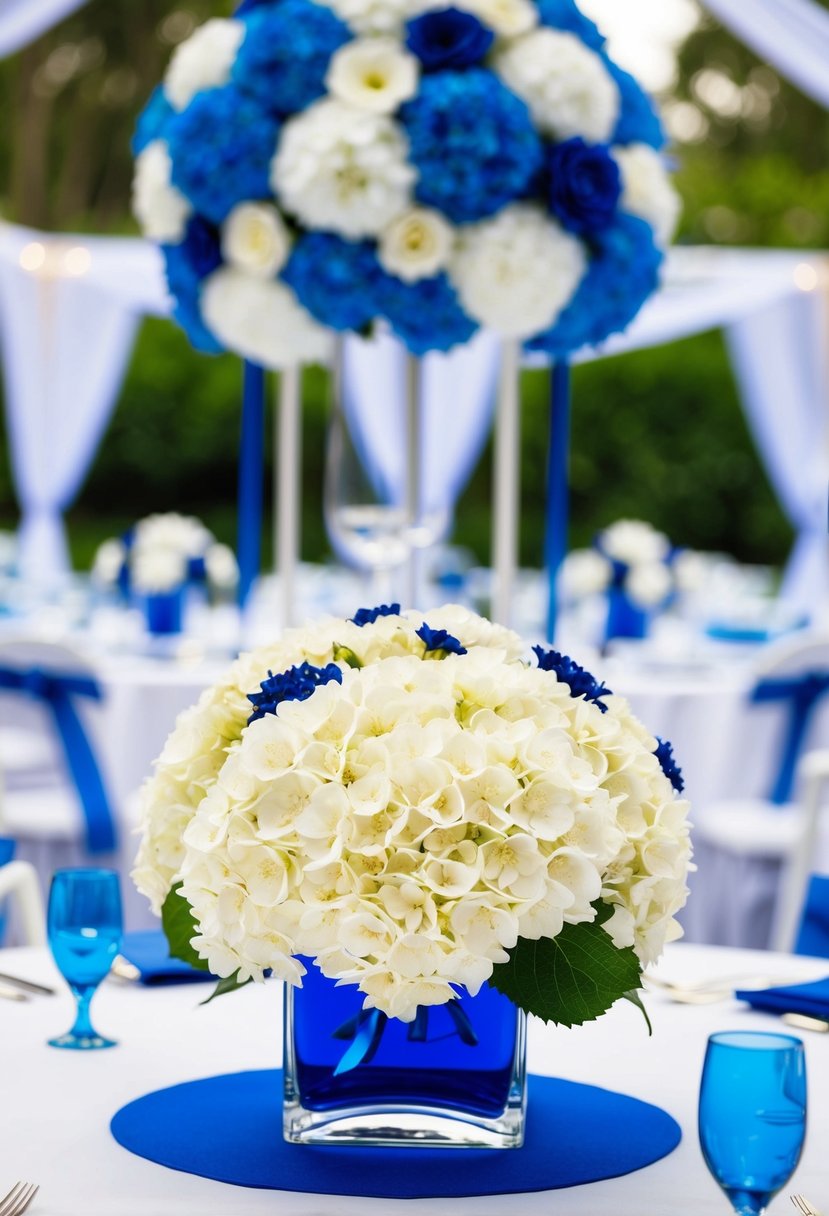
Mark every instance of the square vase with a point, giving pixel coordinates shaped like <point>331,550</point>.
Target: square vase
<point>455,1077</point>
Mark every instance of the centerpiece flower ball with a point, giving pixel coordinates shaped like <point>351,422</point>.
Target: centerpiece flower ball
<point>316,166</point>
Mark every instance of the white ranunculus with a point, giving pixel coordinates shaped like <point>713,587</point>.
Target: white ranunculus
<point>372,17</point>
<point>108,563</point>
<point>373,74</point>
<point>416,245</point>
<point>584,572</point>
<point>516,272</point>
<point>565,84</point>
<point>508,18</point>
<point>157,571</point>
<point>222,567</point>
<point>169,530</point>
<point>262,319</point>
<point>633,541</point>
<point>204,61</point>
<point>648,190</point>
<point>342,169</point>
<point>649,584</point>
<point>161,209</point>
<point>255,239</point>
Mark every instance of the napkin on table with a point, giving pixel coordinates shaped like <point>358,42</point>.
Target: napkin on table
<point>149,953</point>
<point>809,999</point>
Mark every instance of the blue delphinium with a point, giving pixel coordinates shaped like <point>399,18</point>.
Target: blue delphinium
<point>665,755</point>
<point>472,142</point>
<point>584,185</point>
<point>439,640</point>
<point>367,616</point>
<point>221,147</point>
<point>335,279</point>
<point>426,315</point>
<point>152,121</point>
<point>296,684</point>
<point>638,121</point>
<point>285,55</point>
<point>186,265</point>
<point>565,15</point>
<point>580,682</point>
<point>448,38</point>
<point>623,273</point>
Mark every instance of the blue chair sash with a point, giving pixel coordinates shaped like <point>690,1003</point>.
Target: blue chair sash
<point>803,693</point>
<point>813,935</point>
<point>58,691</point>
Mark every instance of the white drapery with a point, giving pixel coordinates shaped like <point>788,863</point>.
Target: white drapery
<point>791,35</point>
<point>21,21</point>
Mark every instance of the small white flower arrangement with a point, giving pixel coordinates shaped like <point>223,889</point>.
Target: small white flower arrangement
<point>419,810</point>
<point>629,556</point>
<point>162,554</point>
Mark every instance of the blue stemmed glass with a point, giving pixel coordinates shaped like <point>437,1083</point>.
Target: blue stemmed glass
<point>84,935</point>
<point>752,1114</point>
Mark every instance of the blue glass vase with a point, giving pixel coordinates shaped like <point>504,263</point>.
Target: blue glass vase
<point>165,612</point>
<point>454,1077</point>
<point>624,618</point>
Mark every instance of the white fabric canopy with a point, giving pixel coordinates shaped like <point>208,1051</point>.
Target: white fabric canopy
<point>21,21</point>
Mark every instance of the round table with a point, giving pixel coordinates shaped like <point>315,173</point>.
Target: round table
<point>57,1105</point>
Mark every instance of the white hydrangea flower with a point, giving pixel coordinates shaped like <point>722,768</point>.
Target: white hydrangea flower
<point>584,572</point>
<point>416,245</point>
<point>161,209</point>
<point>373,74</point>
<point>565,84</point>
<point>157,571</point>
<point>255,239</point>
<point>203,61</point>
<point>633,541</point>
<point>649,584</point>
<point>109,560</point>
<point>342,169</point>
<point>262,319</point>
<point>516,272</point>
<point>222,567</point>
<point>372,17</point>
<point>184,533</point>
<point>648,190</point>
<point>508,18</point>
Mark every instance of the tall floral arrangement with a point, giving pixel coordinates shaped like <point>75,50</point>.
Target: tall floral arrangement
<point>420,810</point>
<point>312,166</point>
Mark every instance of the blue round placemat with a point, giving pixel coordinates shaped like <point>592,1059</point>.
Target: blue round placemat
<point>230,1128</point>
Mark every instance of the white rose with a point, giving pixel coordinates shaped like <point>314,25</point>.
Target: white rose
<point>342,169</point>
<point>584,572</point>
<point>516,272</point>
<point>648,190</point>
<point>566,85</point>
<point>508,18</point>
<point>256,239</point>
<point>262,320</point>
<point>633,541</point>
<point>373,74</point>
<point>649,584</point>
<point>416,245</point>
<point>157,571</point>
<point>161,209</point>
<point>222,567</point>
<point>204,61</point>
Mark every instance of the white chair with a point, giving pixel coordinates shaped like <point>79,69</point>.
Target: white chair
<point>742,844</point>
<point>813,785</point>
<point>19,882</point>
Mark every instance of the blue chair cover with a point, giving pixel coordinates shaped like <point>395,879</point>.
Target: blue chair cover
<point>803,693</point>
<point>813,935</point>
<point>6,855</point>
<point>58,690</point>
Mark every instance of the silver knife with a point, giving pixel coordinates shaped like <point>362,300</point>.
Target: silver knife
<point>27,985</point>
<point>802,1021</point>
<point>12,994</point>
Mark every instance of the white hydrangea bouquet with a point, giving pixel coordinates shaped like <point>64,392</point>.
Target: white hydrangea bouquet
<point>420,811</point>
<point>312,166</point>
<point>630,555</point>
<point>161,554</point>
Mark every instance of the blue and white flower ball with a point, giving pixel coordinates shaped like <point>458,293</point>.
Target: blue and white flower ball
<point>313,166</point>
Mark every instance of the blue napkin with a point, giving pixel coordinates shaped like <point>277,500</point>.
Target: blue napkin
<point>811,999</point>
<point>150,953</point>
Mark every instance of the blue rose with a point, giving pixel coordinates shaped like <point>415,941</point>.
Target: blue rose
<point>448,38</point>
<point>585,185</point>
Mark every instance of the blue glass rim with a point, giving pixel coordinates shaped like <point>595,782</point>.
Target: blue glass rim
<point>85,872</point>
<point>754,1040</point>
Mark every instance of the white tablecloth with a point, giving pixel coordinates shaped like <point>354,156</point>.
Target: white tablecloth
<point>57,1105</point>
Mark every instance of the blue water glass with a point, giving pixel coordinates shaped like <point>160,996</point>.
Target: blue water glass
<point>84,934</point>
<point>7,847</point>
<point>752,1114</point>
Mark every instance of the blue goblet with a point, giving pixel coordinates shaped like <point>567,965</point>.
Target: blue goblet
<point>752,1114</point>
<point>84,935</point>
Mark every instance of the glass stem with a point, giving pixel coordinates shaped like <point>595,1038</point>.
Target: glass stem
<point>83,1026</point>
<point>746,1204</point>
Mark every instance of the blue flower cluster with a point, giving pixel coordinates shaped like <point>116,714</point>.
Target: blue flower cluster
<point>585,186</point>
<point>581,683</point>
<point>367,616</point>
<point>285,55</point>
<point>336,280</point>
<point>638,122</point>
<point>425,315</point>
<point>448,38</point>
<point>665,755</point>
<point>439,640</point>
<point>152,121</point>
<point>472,142</point>
<point>566,15</point>
<point>296,684</point>
<point>186,265</point>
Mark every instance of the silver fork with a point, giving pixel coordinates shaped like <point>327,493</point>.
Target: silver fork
<point>18,1199</point>
<point>803,1206</point>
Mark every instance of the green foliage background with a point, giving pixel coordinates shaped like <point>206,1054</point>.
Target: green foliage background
<point>658,435</point>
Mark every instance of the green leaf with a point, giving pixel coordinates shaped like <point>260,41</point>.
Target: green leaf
<point>231,984</point>
<point>180,928</point>
<point>570,979</point>
<point>635,998</point>
<point>344,654</point>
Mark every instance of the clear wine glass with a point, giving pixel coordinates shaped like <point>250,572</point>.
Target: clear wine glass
<point>84,936</point>
<point>752,1114</point>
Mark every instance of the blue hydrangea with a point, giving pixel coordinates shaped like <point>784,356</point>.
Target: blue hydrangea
<point>665,755</point>
<point>247,6</point>
<point>335,279</point>
<point>186,265</point>
<point>222,146</point>
<point>152,121</point>
<point>565,15</point>
<point>448,38</point>
<point>623,273</point>
<point>286,52</point>
<point>472,142</point>
<point>367,616</point>
<point>439,640</point>
<point>296,684</point>
<point>638,122</point>
<point>581,683</point>
<point>425,315</point>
